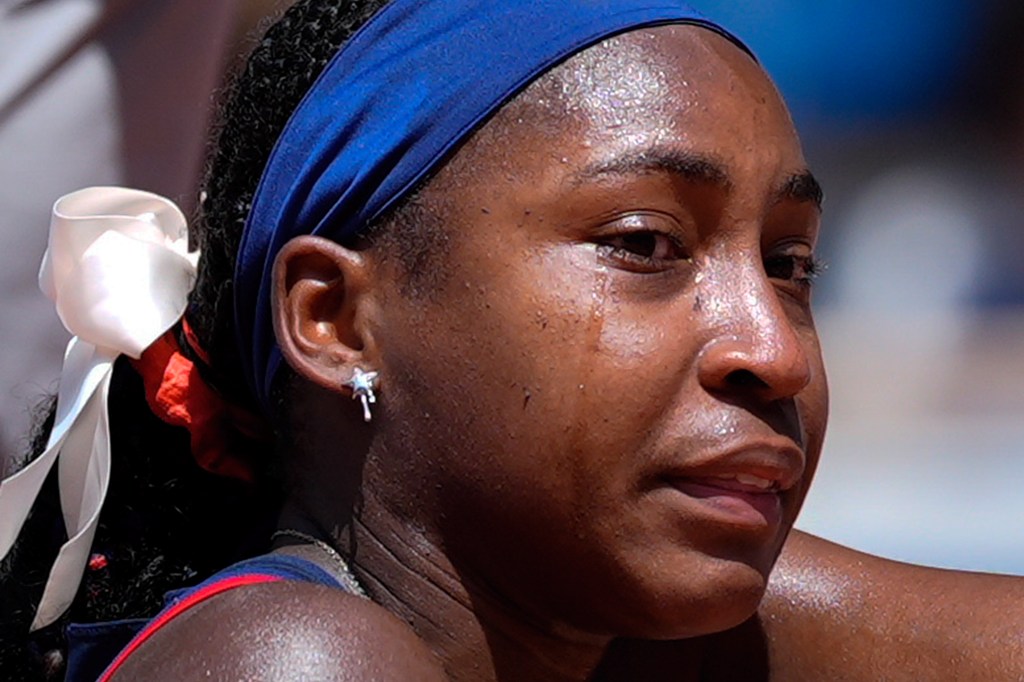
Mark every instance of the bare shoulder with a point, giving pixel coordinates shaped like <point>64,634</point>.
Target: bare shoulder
<point>284,631</point>
<point>835,613</point>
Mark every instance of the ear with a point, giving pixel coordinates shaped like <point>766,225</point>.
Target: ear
<point>320,307</point>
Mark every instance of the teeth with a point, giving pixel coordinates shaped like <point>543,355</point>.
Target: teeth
<point>749,479</point>
<point>756,481</point>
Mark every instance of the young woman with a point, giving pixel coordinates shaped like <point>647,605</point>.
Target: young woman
<point>560,256</point>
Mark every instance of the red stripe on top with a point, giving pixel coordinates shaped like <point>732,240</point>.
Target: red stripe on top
<point>180,607</point>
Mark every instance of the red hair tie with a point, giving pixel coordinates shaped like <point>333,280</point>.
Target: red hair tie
<point>178,395</point>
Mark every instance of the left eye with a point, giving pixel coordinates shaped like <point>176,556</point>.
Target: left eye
<point>794,268</point>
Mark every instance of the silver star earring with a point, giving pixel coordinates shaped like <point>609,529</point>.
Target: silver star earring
<point>362,385</point>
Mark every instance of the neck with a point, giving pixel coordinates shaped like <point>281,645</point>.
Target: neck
<point>476,634</point>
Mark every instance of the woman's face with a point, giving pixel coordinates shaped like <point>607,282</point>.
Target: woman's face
<point>608,404</point>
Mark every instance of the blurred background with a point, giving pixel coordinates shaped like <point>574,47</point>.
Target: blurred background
<point>94,92</point>
<point>912,115</point>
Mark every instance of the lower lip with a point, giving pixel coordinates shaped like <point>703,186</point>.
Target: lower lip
<point>736,507</point>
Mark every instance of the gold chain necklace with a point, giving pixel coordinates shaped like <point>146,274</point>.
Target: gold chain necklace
<point>348,579</point>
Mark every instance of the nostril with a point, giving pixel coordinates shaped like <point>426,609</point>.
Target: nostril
<point>744,378</point>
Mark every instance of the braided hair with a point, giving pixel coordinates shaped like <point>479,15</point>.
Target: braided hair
<point>167,523</point>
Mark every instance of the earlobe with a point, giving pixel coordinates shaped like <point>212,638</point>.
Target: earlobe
<point>320,300</point>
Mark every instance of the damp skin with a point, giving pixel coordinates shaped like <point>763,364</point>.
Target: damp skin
<point>582,365</point>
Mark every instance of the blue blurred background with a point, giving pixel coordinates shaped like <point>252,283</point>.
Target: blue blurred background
<point>912,116</point>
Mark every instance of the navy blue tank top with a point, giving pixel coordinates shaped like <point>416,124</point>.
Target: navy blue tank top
<point>96,650</point>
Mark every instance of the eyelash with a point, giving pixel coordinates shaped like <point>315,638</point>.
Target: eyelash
<point>811,268</point>
<point>623,248</point>
<point>802,270</point>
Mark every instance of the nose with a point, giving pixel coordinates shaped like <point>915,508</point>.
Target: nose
<point>755,351</point>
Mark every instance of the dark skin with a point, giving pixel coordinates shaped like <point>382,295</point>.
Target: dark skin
<point>597,423</point>
<point>832,613</point>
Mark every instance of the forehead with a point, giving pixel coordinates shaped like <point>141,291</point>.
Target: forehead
<point>678,85</point>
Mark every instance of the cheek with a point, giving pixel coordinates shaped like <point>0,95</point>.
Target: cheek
<point>589,369</point>
<point>539,385</point>
<point>641,368</point>
<point>498,360</point>
<point>814,409</point>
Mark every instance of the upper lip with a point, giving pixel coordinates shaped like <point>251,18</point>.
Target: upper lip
<point>779,461</point>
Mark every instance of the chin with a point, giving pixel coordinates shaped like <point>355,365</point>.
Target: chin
<point>712,597</point>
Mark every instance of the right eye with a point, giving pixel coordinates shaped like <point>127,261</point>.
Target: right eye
<point>636,244</point>
<point>651,246</point>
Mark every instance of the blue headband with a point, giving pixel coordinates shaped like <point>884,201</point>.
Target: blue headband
<point>407,88</point>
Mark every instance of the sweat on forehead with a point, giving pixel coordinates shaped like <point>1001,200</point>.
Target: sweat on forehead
<point>405,91</point>
<point>616,83</point>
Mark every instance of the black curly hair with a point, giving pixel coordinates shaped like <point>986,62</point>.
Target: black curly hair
<point>167,523</point>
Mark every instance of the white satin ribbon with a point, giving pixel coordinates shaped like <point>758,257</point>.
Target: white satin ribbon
<point>119,270</point>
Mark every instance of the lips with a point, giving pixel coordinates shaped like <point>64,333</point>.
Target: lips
<point>732,502</point>
<point>744,486</point>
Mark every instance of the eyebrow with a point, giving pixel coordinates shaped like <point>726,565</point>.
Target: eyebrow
<point>802,187</point>
<point>692,167</point>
